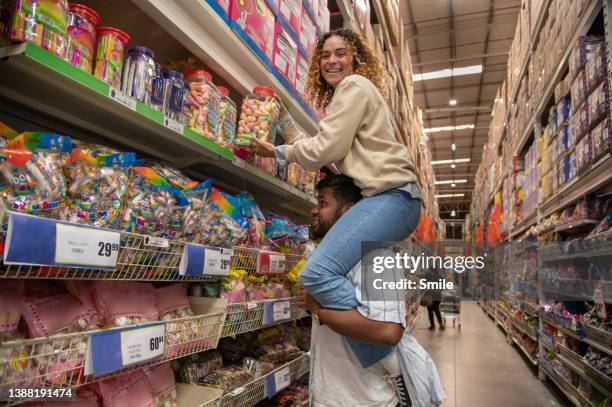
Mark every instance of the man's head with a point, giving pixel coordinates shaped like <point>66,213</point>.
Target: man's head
<point>336,195</point>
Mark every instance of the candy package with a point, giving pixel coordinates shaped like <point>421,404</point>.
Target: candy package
<point>583,152</point>
<point>41,22</point>
<point>81,42</point>
<point>258,115</point>
<point>227,378</point>
<point>597,66</point>
<point>12,299</point>
<point>278,289</point>
<point>233,287</point>
<point>599,103</point>
<point>296,395</point>
<point>222,223</point>
<point>228,116</point>
<point>186,218</point>
<point>600,137</point>
<point>150,203</point>
<point>256,368</point>
<point>124,303</point>
<point>205,101</point>
<point>193,367</point>
<point>256,235</point>
<point>563,111</point>
<point>579,124</point>
<point>278,352</point>
<point>582,51</point>
<point>257,289</point>
<point>31,176</point>
<point>97,181</point>
<point>163,386</point>
<point>578,91</point>
<point>131,389</point>
<point>278,230</point>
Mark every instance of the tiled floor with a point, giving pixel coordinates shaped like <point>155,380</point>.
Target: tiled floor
<point>479,368</point>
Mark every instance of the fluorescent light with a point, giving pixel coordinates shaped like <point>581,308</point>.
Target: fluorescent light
<point>452,102</point>
<point>453,146</point>
<point>451,181</point>
<point>449,195</point>
<point>447,73</point>
<point>448,128</point>
<point>453,185</point>
<point>455,161</point>
<point>453,213</point>
<point>453,165</point>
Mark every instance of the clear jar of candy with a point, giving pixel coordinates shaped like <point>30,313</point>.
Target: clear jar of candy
<point>258,114</point>
<point>81,44</point>
<point>205,99</point>
<point>174,94</point>
<point>110,46</point>
<point>187,108</point>
<point>155,93</point>
<point>31,22</point>
<point>138,71</point>
<point>228,114</point>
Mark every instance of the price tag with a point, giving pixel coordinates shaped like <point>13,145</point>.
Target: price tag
<point>275,311</point>
<point>278,381</point>
<point>251,305</point>
<point>174,125</point>
<point>217,261</point>
<point>600,304</point>
<point>574,325</point>
<point>31,240</point>
<point>141,344</point>
<point>76,245</point>
<point>270,263</point>
<point>156,242</point>
<point>238,162</point>
<point>122,98</point>
<point>113,350</point>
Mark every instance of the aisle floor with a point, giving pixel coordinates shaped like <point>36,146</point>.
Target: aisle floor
<point>478,367</point>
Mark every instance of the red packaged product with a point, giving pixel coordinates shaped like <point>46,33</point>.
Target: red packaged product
<point>256,19</point>
<point>285,53</point>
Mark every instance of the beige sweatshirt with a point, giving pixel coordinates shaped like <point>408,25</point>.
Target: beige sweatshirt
<point>357,136</point>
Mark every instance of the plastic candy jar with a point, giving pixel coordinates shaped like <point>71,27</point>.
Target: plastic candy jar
<point>258,114</point>
<point>174,94</point>
<point>111,46</point>
<point>228,114</point>
<point>81,44</point>
<point>138,71</point>
<point>205,99</point>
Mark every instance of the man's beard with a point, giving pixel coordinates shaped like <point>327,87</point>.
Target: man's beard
<point>324,227</point>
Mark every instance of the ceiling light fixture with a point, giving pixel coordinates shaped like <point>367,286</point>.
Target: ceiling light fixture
<point>451,181</point>
<point>452,102</point>
<point>448,128</point>
<point>453,185</point>
<point>449,195</point>
<point>447,73</point>
<point>453,213</point>
<point>453,165</point>
<point>453,146</point>
<point>455,161</point>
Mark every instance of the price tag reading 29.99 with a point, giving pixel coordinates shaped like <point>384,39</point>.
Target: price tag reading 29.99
<point>84,246</point>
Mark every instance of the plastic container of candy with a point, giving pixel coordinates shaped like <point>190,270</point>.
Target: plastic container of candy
<point>43,23</point>
<point>110,46</point>
<point>174,94</point>
<point>138,71</point>
<point>205,101</point>
<point>187,106</point>
<point>228,115</point>
<point>81,44</point>
<point>155,93</point>
<point>258,114</point>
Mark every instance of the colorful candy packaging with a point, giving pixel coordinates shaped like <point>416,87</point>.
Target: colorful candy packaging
<point>256,288</point>
<point>11,306</point>
<point>186,218</point>
<point>131,389</point>
<point>97,181</point>
<point>258,114</point>
<point>150,203</point>
<point>124,303</point>
<point>205,102</point>
<point>110,47</point>
<point>138,72</point>
<point>41,22</point>
<point>228,115</point>
<point>163,386</point>
<point>31,177</point>
<point>82,36</point>
<point>222,223</point>
<point>256,235</point>
<point>278,229</point>
<point>233,287</point>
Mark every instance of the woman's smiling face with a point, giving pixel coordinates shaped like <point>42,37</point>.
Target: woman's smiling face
<point>336,60</point>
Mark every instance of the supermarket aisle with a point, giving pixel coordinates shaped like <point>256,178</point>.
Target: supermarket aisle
<point>478,367</point>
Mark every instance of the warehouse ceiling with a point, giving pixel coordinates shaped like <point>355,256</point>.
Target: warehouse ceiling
<point>447,34</point>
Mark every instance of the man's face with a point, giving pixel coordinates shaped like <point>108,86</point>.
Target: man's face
<point>326,213</point>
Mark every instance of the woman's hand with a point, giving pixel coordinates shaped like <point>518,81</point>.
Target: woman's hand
<point>306,301</point>
<point>283,110</point>
<point>262,148</point>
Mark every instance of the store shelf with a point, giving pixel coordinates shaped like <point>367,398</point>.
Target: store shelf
<point>346,9</point>
<point>577,226</point>
<point>533,361</point>
<point>255,391</point>
<point>598,175</point>
<point>524,224</point>
<point>588,16</point>
<point>203,32</point>
<point>35,83</point>
<point>60,359</point>
<point>566,388</point>
<point>524,328</point>
<point>248,317</point>
<point>598,380</point>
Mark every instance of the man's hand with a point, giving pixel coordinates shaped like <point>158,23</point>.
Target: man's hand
<point>262,148</point>
<point>306,301</point>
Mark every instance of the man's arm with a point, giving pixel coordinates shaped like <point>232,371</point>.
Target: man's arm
<point>355,326</point>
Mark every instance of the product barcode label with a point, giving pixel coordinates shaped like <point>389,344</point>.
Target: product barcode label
<point>122,98</point>
<point>174,125</point>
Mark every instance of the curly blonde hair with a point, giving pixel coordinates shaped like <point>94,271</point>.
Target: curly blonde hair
<point>365,63</point>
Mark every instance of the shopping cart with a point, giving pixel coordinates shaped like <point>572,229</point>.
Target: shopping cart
<point>451,307</point>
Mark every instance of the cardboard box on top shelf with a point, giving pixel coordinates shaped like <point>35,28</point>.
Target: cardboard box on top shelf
<point>535,8</point>
<point>258,25</point>
<point>285,53</point>
<point>392,20</point>
<point>361,8</point>
<point>552,11</point>
<point>323,17</point>
<point>308,32</point>
<point>370,37</point>
<point>291,12</point>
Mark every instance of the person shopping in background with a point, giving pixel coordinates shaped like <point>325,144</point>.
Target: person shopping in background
<point>347,80</point>
<point>434,298</point>
<point>337,378</point>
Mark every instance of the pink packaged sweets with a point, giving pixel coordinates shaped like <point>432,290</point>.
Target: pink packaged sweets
<point>596,67</point>
<point>257,289</point>
<point>124,303</point>
<point>301,75</point>
<point>12,298</point>
<point>285,53</point>
<point>163,386</point>
<point>132,389</point>
<point>291,12</point>
<point>308,33</point>
<point>256,19</point>
<point>578,91</point>
<point>233,287</point>
<point>599,103</point>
